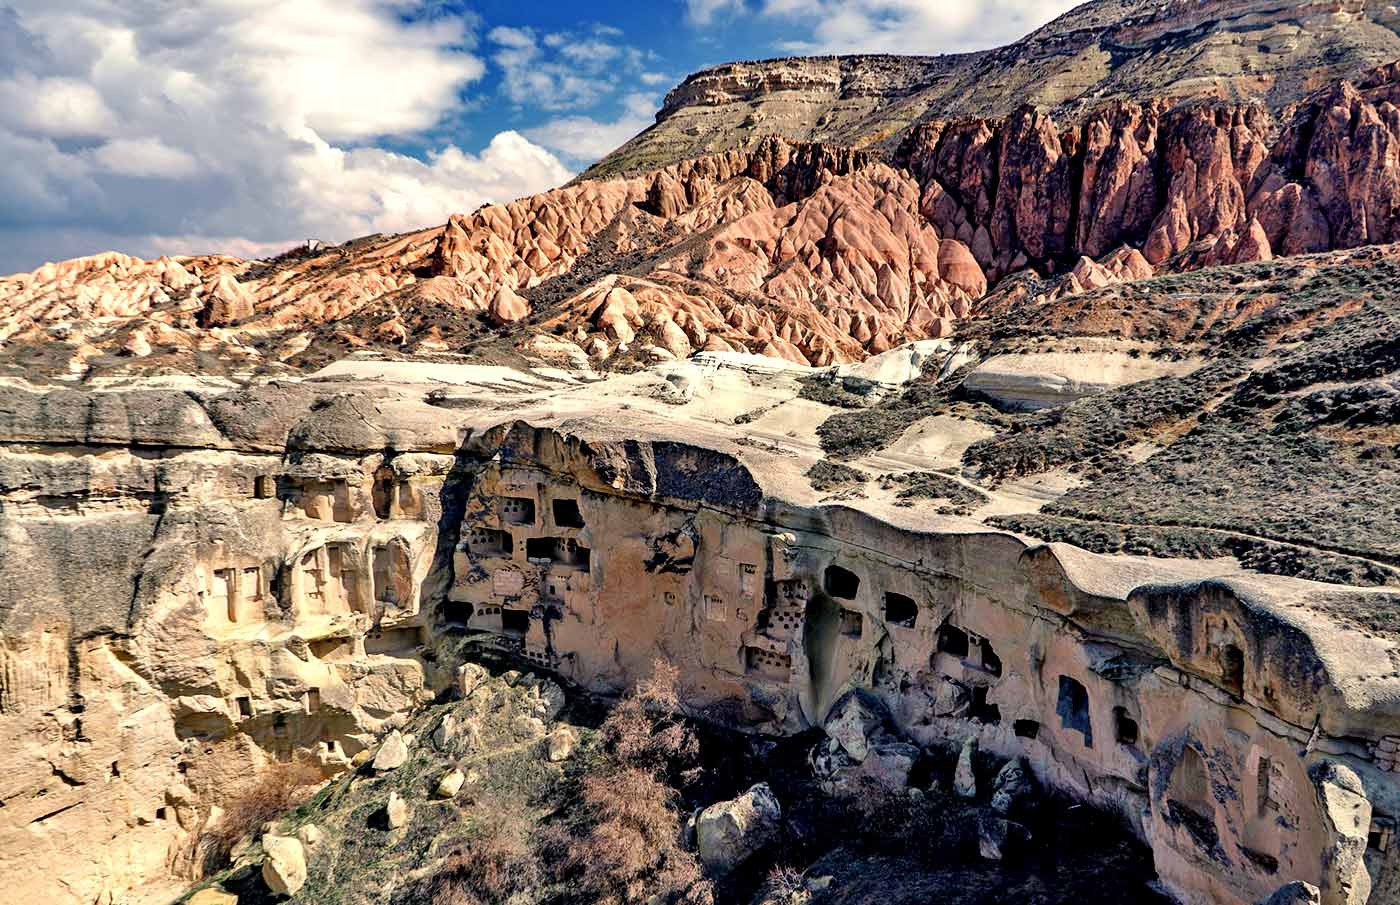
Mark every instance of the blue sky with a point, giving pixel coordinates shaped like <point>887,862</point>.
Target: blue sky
<point>183,126</point>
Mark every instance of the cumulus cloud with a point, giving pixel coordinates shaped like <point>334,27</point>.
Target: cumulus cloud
<point>908,26</point>
<point>585,139</point>
<point>160,127</point>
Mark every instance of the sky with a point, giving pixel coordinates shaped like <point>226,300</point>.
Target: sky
<point>247,126</point>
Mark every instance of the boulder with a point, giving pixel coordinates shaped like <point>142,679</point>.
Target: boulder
<point>890,763</point>
<point>1013,788</point>
<point>729,832</point>
<point>560,744</point>
<point>311,836</point>
<point>284,864</point>
<point>450,784</point>
<point>527,727</point>
<point>1295,893</point>
<point>392,754</point>
<point>212,895</point>
<point>507,307</point>
<point>852,721</point>
<point>964,776</point>
<point>470,677</point>
<point>396,810</point>
<point>952,699</point>
<point>546,700</point>
<point>998,838</point>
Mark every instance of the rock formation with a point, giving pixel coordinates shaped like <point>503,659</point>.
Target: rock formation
<point>828,414</point>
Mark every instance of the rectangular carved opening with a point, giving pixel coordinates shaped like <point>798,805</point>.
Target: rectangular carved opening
<point>456,612</point>
<point>900,610</point>
<point>401,641</point>
<point>1026,728</point>
<point>517,510</point>
<point>515,622</point>
<point>245,706</point>
<point>489,542</point>
<point>563,551</point>
<point>567,514</point>
<point>952,640</point>
<point>851,623</point>
<point>1073,709</point>
<point>1125,728</point>
<point>325,648</point>
<point>842,583</point>
<point>981,710</point>
<point>313,700</point>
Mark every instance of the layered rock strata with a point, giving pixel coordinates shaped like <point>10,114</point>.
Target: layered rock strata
<point>194,594</point>
<point>812,253</point>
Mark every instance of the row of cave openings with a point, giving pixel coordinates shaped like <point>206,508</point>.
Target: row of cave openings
<point>978,655</point>
<point>561,550</point>
<point>326,583</point>
<point>332,501</point>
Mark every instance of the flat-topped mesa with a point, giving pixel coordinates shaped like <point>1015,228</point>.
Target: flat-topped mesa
<point>290,590</point>
<point>834,77</point>
<point>1238,51</point>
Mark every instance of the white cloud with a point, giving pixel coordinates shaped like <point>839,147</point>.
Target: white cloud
<point>563,70</point>
<point>909,26</point>
<point>703,12</point>
<point>148,157</point>
<point>585,139</point>
<point>235,123</point>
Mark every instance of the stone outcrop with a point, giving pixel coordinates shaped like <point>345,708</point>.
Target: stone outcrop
<point>1128,50</point>
<point>730,832</point>
<point>284,864</point>
<point>810,252</point>
<point>1026,192</point>
<point>333,542</point>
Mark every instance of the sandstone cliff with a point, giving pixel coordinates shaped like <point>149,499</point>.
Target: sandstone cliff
<point>1128,50</point>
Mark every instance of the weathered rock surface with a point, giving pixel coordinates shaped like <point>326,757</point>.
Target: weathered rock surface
<point>395,810</point>
<point>392,753</point>
<point>284,865</point>
<point>730,832</point>
<point>808,252</point>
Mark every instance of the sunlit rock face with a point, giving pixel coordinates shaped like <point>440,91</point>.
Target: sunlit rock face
<point>180,618</point>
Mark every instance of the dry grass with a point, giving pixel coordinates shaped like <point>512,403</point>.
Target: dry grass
<point>267,798</point>
<point>499,862</point>
<point>628,848</point>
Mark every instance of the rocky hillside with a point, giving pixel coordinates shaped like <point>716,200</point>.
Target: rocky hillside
<point>812,253</point>
<point>1268,51</point>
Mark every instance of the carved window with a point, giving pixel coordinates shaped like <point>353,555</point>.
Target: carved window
<point>1073,709</point>
<point>1125,728</point>
<point>842,583</point>
<point>900,610</point>
<point>567,514</point>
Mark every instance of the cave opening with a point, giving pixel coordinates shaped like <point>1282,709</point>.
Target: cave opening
<point>515,622</point>
<point>517,510</point>
<point>1073,709</point>
<point>900,610</point>
<point>567,514</point>
<point>842,583</point>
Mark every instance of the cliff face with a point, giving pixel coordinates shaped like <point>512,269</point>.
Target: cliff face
<point>201,588</point>
<point>1129,50</point>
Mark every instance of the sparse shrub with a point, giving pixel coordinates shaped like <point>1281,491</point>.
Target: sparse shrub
<point>784,886</point>
<point>276,791</point>
<point>627,845</point>
<point>498,862</point>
